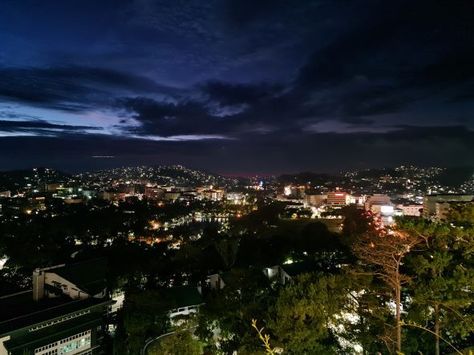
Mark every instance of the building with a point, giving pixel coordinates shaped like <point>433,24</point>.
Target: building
<point>382,210</point>
<point>212,194</point>
<point>179,302</point>
<point>283,274</point>
<point>358,200</point>
<point>64,313</point>
<point>154,193</point>
<point>294,192</point>
<point>3,261</point>
<point>337,199</point>
<point>172,195</point>
<point>6,194</point>
<point>112,195</point>
<point>411,210</point>
<point>381,206</point>
<point>52,187</point>
<point>377,199</point>
<point>236,198</point>
<point>315,200</point>
<point>73,201</point>
<point>429,203</point>
<point>215,282</point>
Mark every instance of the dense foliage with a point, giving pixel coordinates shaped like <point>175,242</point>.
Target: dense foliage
<point>343,298</point>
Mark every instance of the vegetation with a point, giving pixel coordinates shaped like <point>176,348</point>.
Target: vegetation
<point>181,342</point>
<point>361,289</point>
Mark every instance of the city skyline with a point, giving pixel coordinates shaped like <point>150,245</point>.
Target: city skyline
<point>236,87</point>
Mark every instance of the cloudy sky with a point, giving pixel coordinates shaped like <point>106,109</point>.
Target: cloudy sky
<point>236,86</point>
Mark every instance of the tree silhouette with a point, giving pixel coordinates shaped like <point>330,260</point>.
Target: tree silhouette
<point>383,255</point>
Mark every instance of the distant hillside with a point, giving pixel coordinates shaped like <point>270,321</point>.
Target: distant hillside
<point>455,176</point>
<point>175,174</point>
<point>307,177</point>
<point>393,179</point>
<point>18,179</point>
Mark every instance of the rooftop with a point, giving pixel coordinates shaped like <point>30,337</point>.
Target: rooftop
<point>181,296</point>
<point>89,275</point>
<point>19,310</point>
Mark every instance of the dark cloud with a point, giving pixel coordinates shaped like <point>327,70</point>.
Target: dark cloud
<point>349,55</point>
<point>454,68</point>
<point>401,53</point>
<point>27,126</point>
<point>374,100</point>
<point>228,109</point>
<point>71,88</point>
<point>293,85</point>
<point>233,94</point>
<point>432,133</point>
<point>245,12</point>
<point>166,118</point>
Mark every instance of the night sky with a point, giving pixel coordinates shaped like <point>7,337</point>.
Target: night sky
<point>236,87</point>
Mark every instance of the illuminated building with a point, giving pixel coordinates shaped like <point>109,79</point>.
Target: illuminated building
<point>315,200</point>
<point>291,191</point>
<point>212,194</point>
<point>283,274</point>
<point>154,193</point>
<point>73,201</point>
<point>7,194</point>
<point>112,195</point>
<point>52,187</point>
<point>337,199</point>
<point>411,210</point>
<point>357,200</point>
<point>181,302</point>
<point>381,206</point>
<point>64,313</point>
<point>236,198</point>
<point>383,210</point>
<point>172,195</point>
<point>377,199</point>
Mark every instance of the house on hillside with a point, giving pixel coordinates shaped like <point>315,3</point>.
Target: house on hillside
<point>181,301</point>
<point>283,274</point>
<point>215,281</point>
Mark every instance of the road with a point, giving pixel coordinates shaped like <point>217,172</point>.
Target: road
<point>152,340</point>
